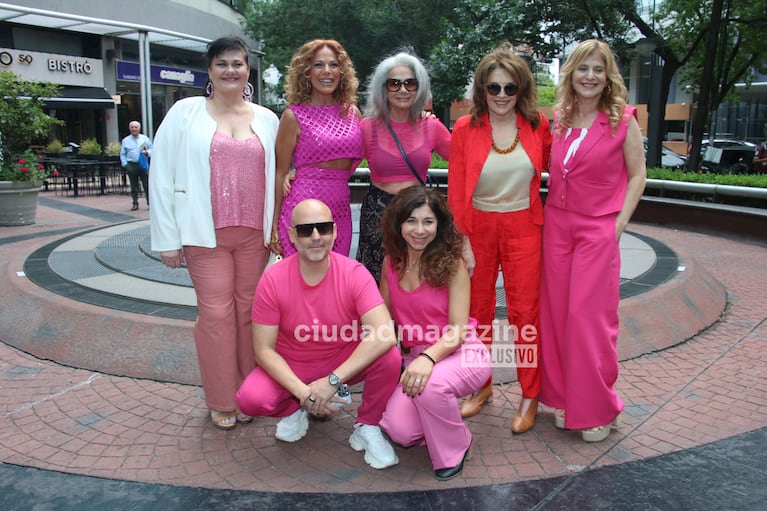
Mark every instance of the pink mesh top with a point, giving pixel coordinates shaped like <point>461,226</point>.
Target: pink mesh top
<point>419,141</point>
<point>237,181</point>
<point>326,134</point>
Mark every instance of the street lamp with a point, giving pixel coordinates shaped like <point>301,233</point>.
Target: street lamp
<point>656,110</point>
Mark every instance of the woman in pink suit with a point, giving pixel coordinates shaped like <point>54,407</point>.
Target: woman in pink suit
<point>497,155</point>
<point>596,179</point>
<point>425,284</point>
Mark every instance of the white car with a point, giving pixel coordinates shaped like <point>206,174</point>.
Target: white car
<point>668,158</point>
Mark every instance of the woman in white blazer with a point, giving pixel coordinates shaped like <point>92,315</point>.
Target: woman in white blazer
<point>212,187</point>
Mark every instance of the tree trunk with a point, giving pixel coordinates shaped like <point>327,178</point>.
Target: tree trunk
<point>700,120</point>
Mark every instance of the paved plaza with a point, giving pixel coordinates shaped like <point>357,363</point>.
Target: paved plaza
<point>102,409</point>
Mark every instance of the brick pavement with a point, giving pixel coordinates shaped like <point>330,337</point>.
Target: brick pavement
<point>84,422</point>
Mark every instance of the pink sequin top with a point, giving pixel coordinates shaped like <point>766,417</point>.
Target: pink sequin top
<point>326,134</point>
<point>237,181</point>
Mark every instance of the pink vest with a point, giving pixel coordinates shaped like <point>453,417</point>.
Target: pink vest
<point>593,182</point>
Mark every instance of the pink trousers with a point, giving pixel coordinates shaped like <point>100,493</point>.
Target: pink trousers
<point>434,417</point>
<point>225,280</point>
<point>580,292</point>
<point>512,242</point>
<point>261,396</point>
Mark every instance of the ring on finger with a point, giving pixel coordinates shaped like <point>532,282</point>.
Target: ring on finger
<point>312,399</point>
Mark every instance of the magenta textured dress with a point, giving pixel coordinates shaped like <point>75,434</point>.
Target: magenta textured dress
<point>326,134</point>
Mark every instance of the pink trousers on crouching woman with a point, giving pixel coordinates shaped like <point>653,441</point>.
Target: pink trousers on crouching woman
<point>434,417</point>
<point>225,280</point>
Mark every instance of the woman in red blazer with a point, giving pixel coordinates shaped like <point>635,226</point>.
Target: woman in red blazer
<point>497,154</point>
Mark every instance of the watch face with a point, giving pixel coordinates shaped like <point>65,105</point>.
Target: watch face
<point>334,379</point>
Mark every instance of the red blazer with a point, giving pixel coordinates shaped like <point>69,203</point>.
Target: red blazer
<point>469,147</point>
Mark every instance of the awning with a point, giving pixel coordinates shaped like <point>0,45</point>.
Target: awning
<point>81,98</point>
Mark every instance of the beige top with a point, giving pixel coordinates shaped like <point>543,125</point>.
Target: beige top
<point>504,184</point>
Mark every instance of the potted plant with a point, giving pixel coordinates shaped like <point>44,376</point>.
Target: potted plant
<point>23,121</point>
<point>90,148</point>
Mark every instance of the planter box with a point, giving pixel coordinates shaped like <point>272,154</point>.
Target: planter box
<point>18,202</point>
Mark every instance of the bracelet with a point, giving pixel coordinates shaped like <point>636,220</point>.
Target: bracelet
<point>424,354</point>
<point>275,238</point>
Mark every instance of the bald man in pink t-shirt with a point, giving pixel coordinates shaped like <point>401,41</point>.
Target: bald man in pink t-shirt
<point>320,321</point>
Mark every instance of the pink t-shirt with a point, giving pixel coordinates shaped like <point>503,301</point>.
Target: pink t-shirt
<point>419,140</point>
<point>237,181</point>
<point>313,320</point>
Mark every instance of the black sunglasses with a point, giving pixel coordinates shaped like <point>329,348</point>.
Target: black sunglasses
<point>510,89</point>
<point>306,230</point>
<point>393,85</point>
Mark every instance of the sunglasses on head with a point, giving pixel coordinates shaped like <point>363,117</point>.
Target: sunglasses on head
<point>393,84</point>
<point>306,230</point>
<point>495,88</point>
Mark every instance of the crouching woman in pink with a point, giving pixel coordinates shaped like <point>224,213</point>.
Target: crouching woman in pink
<point>426,286</point>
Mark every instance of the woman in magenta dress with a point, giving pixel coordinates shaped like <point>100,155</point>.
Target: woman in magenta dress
<point>320,137</point>
<point>426,286</point>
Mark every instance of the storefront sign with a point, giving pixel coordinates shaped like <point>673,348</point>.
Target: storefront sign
<point>35,66</point>
<point>131,72</point>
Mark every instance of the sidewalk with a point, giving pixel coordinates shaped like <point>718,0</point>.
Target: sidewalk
<point>151,444</point>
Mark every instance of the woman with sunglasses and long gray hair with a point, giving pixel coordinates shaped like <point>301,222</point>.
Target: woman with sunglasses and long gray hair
<point>398,144</point>
<point>496,158</point>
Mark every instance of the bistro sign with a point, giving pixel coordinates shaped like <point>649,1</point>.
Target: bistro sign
<point>36,66</point>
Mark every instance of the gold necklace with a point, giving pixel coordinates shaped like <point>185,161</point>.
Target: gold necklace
<point>508,149</point>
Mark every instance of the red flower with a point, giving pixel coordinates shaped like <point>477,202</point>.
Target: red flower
<point>22,162</point>
<point>40,166</point>
<point>55,173</point>
<point>24,170</point>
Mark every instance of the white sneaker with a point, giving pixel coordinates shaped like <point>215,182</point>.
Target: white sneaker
<point>293,427</point>
<point>378,452</point>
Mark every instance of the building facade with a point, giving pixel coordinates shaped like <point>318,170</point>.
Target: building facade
<point>116,61</point>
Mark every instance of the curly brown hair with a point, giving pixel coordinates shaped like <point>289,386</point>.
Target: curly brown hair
<point>614,95</point>
<point>298,88</point>
<point>527,97</point>
<point>440,259</point>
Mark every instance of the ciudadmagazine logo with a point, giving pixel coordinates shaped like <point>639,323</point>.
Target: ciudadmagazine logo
<point>511,345</point>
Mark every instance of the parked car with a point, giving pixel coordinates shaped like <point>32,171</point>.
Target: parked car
<point>727,156</point>
<point>668,158</point>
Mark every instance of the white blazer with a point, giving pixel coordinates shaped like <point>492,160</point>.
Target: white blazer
<point>179,176</point>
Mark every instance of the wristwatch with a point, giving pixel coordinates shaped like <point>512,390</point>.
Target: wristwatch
<point>334,380</point>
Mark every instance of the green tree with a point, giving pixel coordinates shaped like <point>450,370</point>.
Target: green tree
<point>713,43</point>
<point>23,120</point>
<point>369,30</point>
<point>718,44</point>
<point>479,26</point>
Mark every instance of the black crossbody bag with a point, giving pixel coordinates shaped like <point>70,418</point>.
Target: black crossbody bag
<point>407,160</point>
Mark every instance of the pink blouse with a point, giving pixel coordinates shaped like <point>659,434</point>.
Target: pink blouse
<point>419,140</point>
<point>237,181</point>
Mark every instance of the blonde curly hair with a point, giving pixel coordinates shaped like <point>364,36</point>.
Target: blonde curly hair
<point>298,86</point>
<point>614,95</point>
